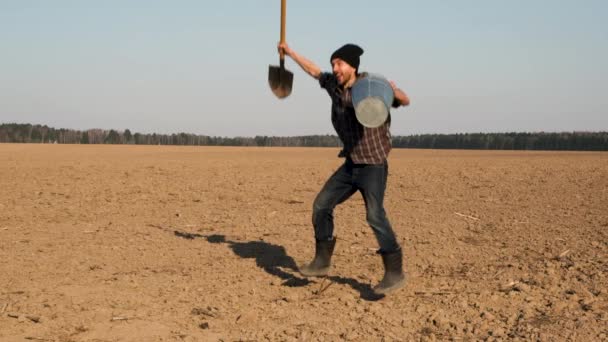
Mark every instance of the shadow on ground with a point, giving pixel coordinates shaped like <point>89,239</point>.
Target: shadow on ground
<point>274,260</point>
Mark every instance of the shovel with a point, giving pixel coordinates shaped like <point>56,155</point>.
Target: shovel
<point>279,78</point>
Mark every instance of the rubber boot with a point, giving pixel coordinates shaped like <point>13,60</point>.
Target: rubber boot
<point>319,266</point>
<point>393,273</point>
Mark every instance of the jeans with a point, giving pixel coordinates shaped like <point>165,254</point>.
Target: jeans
<point>371,181</point>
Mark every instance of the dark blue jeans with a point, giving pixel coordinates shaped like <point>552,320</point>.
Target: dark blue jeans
<point>348,179</point>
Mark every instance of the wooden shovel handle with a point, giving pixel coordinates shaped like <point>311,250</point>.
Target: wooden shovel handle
<point>283,20</point>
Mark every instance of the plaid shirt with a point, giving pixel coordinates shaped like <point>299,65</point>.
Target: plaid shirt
<point>362,145</point>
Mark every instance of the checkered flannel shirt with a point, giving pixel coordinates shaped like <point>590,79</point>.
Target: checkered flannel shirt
<point>362,145</point>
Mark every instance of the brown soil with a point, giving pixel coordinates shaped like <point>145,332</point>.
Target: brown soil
<point>155,243</point>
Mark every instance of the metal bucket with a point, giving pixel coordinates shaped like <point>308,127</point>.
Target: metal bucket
<point>372,97</point>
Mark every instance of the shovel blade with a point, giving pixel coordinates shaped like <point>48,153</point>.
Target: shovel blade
<point>280,80</point>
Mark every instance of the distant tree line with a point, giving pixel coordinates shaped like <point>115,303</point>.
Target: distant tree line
<point>27,133</point>
<point>564,141</point>
<point>573,141</point>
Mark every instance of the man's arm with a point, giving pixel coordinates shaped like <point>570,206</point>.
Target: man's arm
<point>400,95</point>
<point>309,67</point>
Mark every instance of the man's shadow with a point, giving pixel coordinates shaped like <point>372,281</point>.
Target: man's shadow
<point>274,260</point>
<point>271,258</point>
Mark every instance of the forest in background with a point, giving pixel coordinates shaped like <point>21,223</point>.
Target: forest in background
<point>557,141</point>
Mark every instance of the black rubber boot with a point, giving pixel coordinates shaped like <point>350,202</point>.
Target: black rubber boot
<point>319,266</point>
<point>393,273</point>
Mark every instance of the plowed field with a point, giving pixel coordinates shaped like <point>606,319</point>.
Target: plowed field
<point>157,243</point>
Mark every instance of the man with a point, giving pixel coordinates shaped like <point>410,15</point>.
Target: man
<point>365,168</point>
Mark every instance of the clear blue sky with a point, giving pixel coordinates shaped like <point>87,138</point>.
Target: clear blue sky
<point>202,66</point>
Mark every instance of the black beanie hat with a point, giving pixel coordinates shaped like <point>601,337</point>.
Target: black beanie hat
<point>349,53</point>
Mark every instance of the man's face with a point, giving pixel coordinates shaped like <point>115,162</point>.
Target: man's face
<point>343,71</point>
